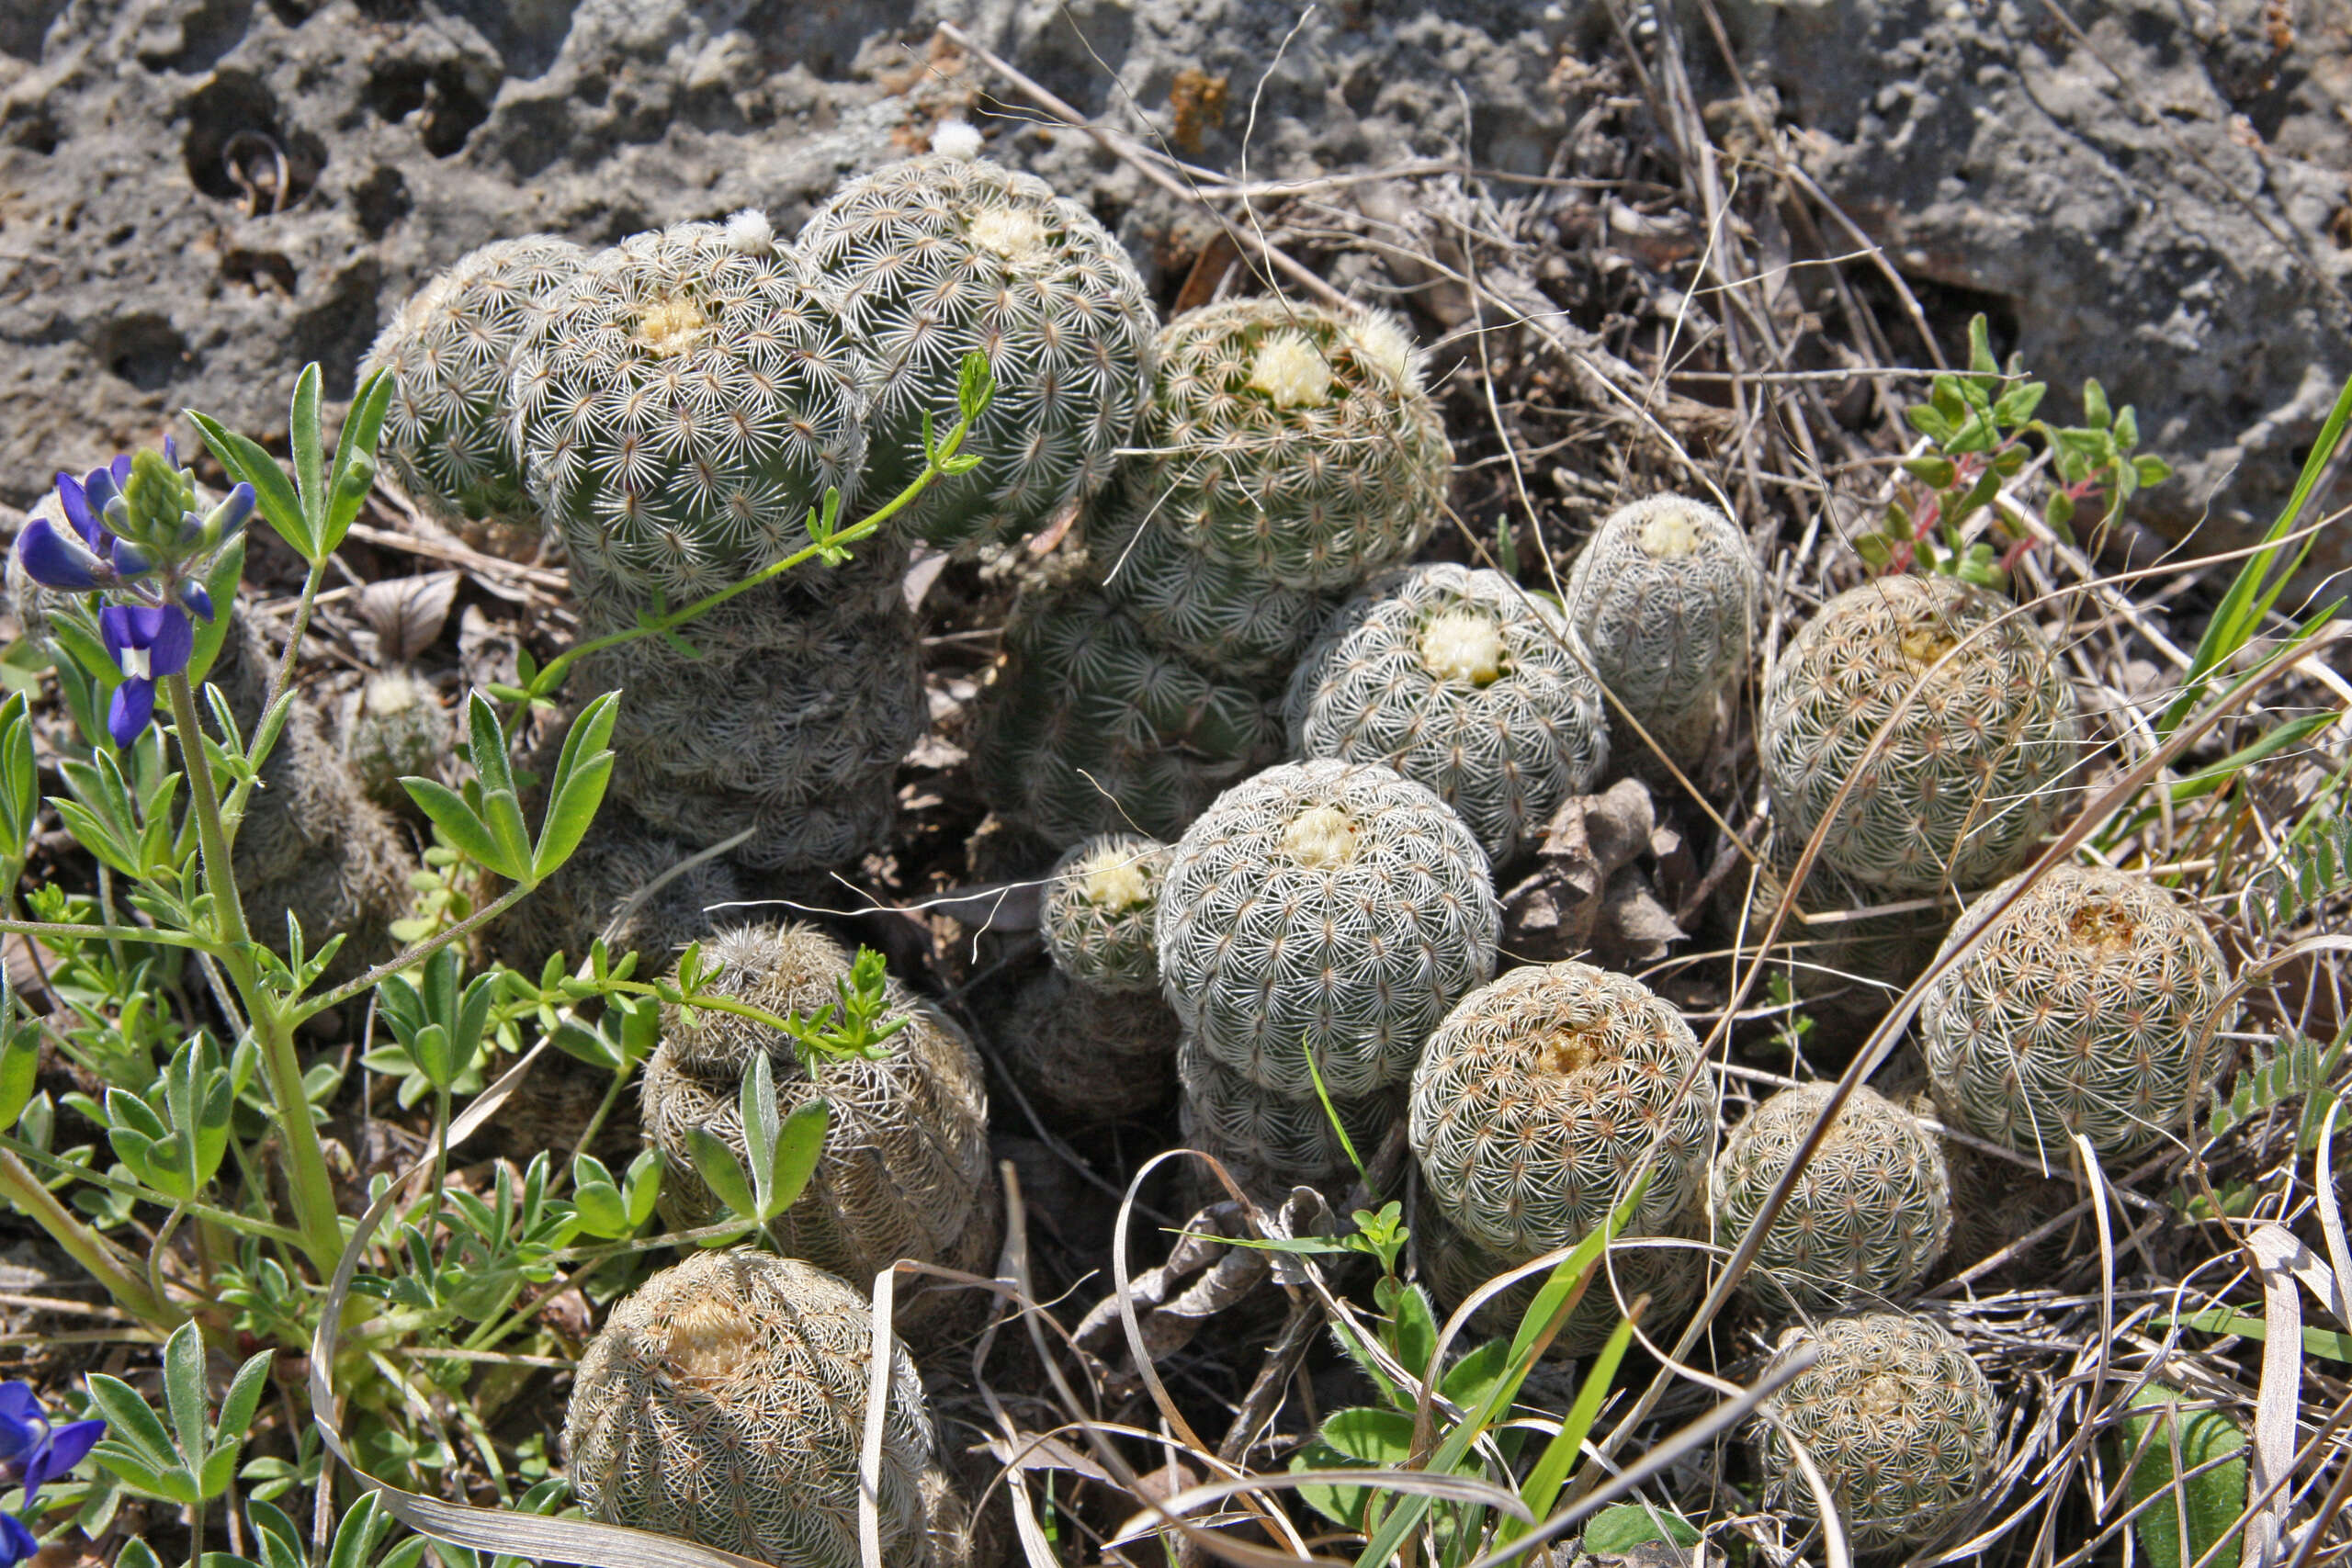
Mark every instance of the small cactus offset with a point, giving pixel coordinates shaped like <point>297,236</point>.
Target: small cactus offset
<point>397,730</point>
<point>1542,1093</point>
<point>1867,1217</point>
<point>1847,969</point>
<point>448,435</point>
<point>791,722</point>
<point>1461,682</point>
<point>724,1402</point>
<point>1090,729</point>
<point>1663,1267</point>
<point>1270,1143</point>
<point>1663,598</point>
<point>1087,1056</point>
<point>1101,900</point>
<point>1292,444</point>
<point>1900,1421</point>
<point>2098,1003</point>
<point>1976,768</point>
<point>689,395</point>
<point>905,1168</point>
<point>941,256</point>
<point>1326,909</point>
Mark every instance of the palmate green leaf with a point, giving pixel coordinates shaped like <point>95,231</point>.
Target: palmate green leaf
<point>721,1172</point>
<point>137,1553</point>
<point>582,774</point>
<point>466,831</point>
<point>2208,1503</point>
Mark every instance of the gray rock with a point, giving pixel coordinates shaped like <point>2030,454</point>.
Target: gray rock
<point>2160,201</point>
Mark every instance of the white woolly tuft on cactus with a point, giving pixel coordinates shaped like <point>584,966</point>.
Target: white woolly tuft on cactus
<point>956,139</point>
<point>1290,371</point>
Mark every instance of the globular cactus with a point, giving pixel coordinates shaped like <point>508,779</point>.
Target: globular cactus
<point>1662,1266</point>
<point>1291,443</point>
<point>905,1168</point>
<point>1997,1204</point>
<point>2098,1003</point>
<point>448,435</point>
<point>1100,903</point>
<point>1867,1217</point>
<point>724,1402</point>
<point>1270,1143</point>
<point>396,728</point>
<point>1234,622</point>
<point>1663,598</point>
<point>626,884</point>
<point>1087,1056</point>
<point>1542,1093</point>
<point>1090,729</point>
<point>1848,968</point>
<point>937,258</point>
<point>791,723</point>
<point>1328,908</point>
<point>688,396</point>
<point>1459,681</point>
<point>1900,1421</point>
<point>1975,769</point>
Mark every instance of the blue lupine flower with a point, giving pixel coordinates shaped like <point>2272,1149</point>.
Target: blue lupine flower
<point>136,536</point>
<point>17,1543</point>
<point>33,1452</point>
<point>149,642</point>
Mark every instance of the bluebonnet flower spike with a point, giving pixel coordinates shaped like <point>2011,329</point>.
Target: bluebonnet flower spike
<point>54,558</point>
<point>17,1543</point>
<point>34,1453</point>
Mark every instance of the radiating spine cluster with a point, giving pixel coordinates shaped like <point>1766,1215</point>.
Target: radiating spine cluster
<point>939,256</point>
<point>724,1402</point>
<point>905,1168</point>
<point>1100,901</point>
<point>1663,598</point>
<point>2097,1003</point>
<point>1461,681</point>
<point>448,437</point>
<point>1898,1418</point>
<point>1980,745</point>
<point>688,397</point>
<point>1267,1141</point>
<point>1867,1217</point>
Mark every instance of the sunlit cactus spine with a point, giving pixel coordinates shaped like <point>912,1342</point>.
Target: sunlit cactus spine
<point>1976,765</point>
<point>1867,1217</point>
<point>1663,598</point>
<point>904,1171</point>
<point>1084,1055</point>
<point>1898,1418</point>
<point>1461,682</point>
<point>1090,729</point>
<point>2098,1003</point>
<point>1665,1266</point>
<point>1326,909</point>
<point>724,1402</point>
<point>688,397</point>
<point>791,721</point>
<point>1101,900</point>
<point>1267,1141</point>
<point>1543,1093</point>
<point>1292,444</point>
<point>447,437</point>
<point>941,256</point>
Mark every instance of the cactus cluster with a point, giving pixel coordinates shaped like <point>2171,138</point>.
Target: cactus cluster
<point>626,884</point>
<point>448,435</point>
<point>1461,682</point>
<point>395,729</point>
<point>1085,1055</point>
<point>2096,1003</point>
<point>1980,744</point>
<point>791,721</point>
<point>904,1172</point>
<point>724,1402</point>
<point>1324,908</point>
<point>941,256</point>
<point>685,399</point>
<point>1663,599</point>
<point>1286,454</point>
<point>1867,1217</point>
<point>1846,970</point>
<point>1898,1418</point>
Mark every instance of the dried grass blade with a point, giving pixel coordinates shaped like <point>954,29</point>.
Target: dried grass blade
<point>2278,1393</point>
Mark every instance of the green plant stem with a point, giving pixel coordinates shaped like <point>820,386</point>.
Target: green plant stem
<point>414,955</point>
<point>84,1245</point>
<point>244,1225</point>
<point>67,931</point>
<point>307,1180</point>
<point>284,675</point>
